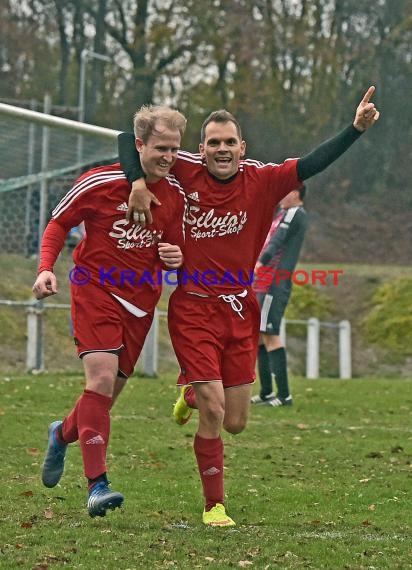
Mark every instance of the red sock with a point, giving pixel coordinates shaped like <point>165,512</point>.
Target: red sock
<point>93,421</point>
<point>190,397</point>
<point>69,426</point>
<point>209,455</point>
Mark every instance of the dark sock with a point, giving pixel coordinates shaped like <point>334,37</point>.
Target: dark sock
<point>92,482</point>
<point>265,373</point>
<point>278,365</point>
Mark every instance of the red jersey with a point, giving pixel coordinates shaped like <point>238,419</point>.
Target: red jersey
<point>121,257</point>
<point>227,222</point>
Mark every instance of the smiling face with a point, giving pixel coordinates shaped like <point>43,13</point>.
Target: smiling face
<point>159,153</point>
<point>222,149</point>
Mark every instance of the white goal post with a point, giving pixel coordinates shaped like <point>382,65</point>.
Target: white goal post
<point>52,121</point>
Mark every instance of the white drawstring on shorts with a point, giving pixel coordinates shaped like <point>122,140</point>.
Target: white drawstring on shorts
<point>234,302</point>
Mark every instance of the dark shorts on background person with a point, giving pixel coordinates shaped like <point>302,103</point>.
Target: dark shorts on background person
<point>272,308</point>
<point>212,341</point>
<point>102,324</point>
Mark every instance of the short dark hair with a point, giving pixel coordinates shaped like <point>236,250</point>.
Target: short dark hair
<point>302,191</point>
<point>220,116</point>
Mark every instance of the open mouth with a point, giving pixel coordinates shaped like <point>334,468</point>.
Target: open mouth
<point>223,160</point>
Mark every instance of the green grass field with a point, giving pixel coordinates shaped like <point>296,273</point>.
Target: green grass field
<point>324,484</point>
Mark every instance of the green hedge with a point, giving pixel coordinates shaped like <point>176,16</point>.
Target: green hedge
<point>389,323</point>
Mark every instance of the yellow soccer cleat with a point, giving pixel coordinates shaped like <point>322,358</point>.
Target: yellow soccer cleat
<point>217,516</point>
<point>181,411</point>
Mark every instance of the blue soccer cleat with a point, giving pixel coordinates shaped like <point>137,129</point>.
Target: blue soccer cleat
<point>53,465</point>
<point>102,498</point>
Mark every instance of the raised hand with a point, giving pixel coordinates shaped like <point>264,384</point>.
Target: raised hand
<point>366,113</point>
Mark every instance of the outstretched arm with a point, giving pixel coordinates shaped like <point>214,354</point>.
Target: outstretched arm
<point>366,115</point>
<point>140,197</point>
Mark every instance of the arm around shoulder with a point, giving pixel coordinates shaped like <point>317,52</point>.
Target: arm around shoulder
<point>129,157</point>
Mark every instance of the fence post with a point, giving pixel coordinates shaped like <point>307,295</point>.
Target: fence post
<point>150,348</point>
<point>34,352</point>
<point>312,349</point>
<point>345,352</point>
<point>282,331</point>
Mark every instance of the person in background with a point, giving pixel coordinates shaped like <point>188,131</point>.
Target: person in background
<point>278,258</point>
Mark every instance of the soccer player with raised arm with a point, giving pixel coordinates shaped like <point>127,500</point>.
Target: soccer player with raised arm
<point>213,314</point>
<point>114,289</point>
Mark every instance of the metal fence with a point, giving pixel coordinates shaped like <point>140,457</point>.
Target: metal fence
<point>149,360</point>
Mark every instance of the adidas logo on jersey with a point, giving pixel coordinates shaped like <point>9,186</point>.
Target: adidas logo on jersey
<point>194,196</point>
<point>123,207</point>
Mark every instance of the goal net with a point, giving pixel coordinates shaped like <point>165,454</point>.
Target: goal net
<point>40,157</point>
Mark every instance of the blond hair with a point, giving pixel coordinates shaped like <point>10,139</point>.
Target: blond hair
<point>145,119</point>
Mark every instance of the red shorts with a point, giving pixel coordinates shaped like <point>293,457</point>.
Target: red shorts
<point>101,323</point>
<point>212,341</point>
